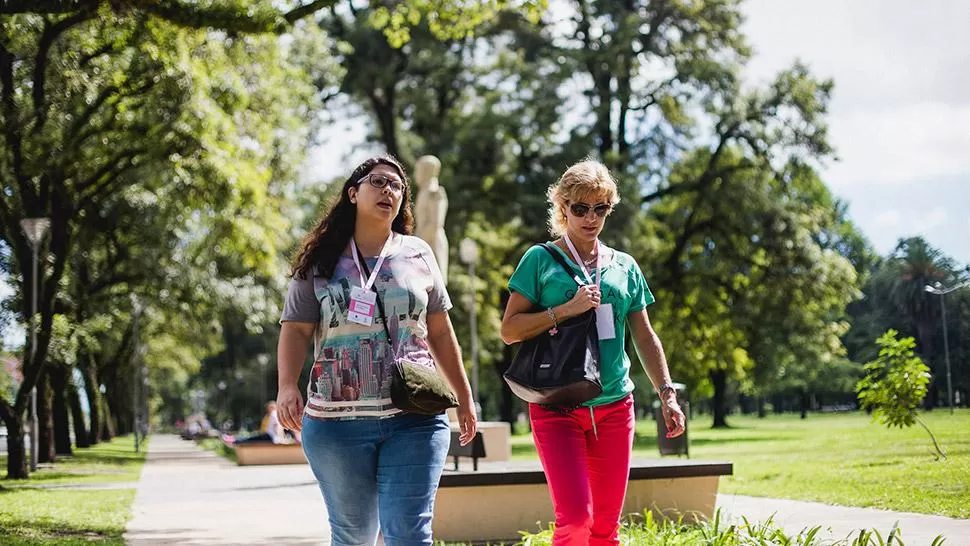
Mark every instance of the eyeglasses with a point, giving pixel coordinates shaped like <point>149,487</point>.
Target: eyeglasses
<point>381,181</point>
<point>580,210</point>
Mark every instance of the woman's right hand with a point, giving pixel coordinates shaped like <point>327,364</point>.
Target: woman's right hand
<point>289,408</point>
<point>586,298</point>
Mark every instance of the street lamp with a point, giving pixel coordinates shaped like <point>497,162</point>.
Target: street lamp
<point>468,252</point>
<point>263,360</point>
<point>942,291</point>
<point>34,229</point>
<point>136,310</point>
<point>222,394</point>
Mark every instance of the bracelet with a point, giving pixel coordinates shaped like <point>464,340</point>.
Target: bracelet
<point>555,321</point>
<point>665,387</point>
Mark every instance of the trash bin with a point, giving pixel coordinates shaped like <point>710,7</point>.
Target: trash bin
<point>678,445</point>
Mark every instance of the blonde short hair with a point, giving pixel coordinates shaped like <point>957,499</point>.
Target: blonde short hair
<point>579,182</point>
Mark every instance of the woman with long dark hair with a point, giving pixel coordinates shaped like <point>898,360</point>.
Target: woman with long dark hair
<point>378,467</point>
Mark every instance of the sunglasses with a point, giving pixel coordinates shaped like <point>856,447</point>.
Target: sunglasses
<point>381,181</point>
<point>580,210</point>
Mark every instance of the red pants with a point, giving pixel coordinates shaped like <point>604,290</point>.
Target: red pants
<point>587,471</point>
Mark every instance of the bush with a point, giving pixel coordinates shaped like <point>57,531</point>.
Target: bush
<point>895,384</point>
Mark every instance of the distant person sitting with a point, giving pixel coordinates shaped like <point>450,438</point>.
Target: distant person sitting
<point>270,429</point>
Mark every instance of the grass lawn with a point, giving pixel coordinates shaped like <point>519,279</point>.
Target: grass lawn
<point>841,459</point>
<point>31,514</point>
<point>115,461</point>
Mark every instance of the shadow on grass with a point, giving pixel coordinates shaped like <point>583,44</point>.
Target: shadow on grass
<point>51,531</point>
<point>650,442</point>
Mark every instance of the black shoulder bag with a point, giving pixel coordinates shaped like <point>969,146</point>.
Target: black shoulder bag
<point>415,388</point>
<point>561,369</point>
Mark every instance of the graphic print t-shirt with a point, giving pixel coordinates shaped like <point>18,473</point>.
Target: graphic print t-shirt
<point>350,377</point>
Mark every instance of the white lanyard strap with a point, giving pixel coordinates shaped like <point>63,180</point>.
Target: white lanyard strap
<point>579,261</point>
<point>366,285</point>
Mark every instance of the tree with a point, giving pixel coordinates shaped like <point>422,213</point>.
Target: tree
<point>100,107</point>
<point>711,224</point>
<point>895,384</point>
<point>896,299</point>
<point>446,18</point>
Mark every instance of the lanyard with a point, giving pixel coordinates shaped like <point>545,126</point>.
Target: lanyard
<point>366,285</point>
<point>579,261</point>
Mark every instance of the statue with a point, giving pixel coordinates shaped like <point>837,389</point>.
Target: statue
<point>430,209</point>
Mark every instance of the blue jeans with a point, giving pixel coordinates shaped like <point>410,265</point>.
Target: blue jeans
<point>378,471</point>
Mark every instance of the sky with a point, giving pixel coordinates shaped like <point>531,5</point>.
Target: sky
<point>900,114</point>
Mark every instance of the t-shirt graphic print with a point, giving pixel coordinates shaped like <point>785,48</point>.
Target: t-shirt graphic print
<point>350,377</point>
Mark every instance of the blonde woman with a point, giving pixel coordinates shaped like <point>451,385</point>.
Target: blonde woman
<point>585,451</point>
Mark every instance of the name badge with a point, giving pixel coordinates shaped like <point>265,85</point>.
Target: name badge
<point>362,306</point>
<point>604,321</point>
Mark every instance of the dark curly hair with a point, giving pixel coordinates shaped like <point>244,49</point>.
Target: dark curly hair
<point>321,248</point>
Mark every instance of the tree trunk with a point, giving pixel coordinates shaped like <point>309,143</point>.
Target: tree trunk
<point>119,405</point>
<point>62,430</point>
<point>94,403</point>
<point>719,380</point>
<point>109,422</point>
<point>762,413</point>
<point>45,419</point>
<point>805,402</point>
<point>82,434</point>
<point>16,447</point>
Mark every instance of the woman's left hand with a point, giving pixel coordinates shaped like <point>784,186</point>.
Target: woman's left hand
<point>467,422</point>
<point>673,416</point>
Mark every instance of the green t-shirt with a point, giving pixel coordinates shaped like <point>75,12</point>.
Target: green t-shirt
<point>544,282</point>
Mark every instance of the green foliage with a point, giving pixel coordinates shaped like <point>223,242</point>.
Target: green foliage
<point>31,515</point>
<point>743,244</point>
<point>896,299</point>
<point>895,383</point>
<point>446,19</point>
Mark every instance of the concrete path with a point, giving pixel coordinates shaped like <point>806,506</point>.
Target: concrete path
<point>191,496</point>
<point>838,522</point>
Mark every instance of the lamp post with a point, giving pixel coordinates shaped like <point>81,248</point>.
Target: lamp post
<point>263,360</point>
<point>34,229</point>
<point>136,309</point>
<point>222,394</point>
<point>468,252</point>
<point>942,291</point>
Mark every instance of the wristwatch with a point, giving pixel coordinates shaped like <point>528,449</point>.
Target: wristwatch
<point>666,387</point>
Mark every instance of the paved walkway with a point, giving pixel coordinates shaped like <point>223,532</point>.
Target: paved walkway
<point>190,496</point>
<point>838,522</point>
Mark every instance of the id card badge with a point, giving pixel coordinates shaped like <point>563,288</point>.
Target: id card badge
<point>362,303</point>
<point>604,321</point>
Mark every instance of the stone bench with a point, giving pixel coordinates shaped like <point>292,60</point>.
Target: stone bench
<point>266,453</point>
<point>496,434</point>
<point>501,499</point>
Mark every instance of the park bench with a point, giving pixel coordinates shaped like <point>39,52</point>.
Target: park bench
<point>475,449</point>
<point>268,453</point>
<point>499,499</point>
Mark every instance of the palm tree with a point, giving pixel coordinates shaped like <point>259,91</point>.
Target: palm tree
<point>913,265</point>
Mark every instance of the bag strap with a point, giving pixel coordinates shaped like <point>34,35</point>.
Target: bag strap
<point>558,257</point>
<point>380,304</point>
